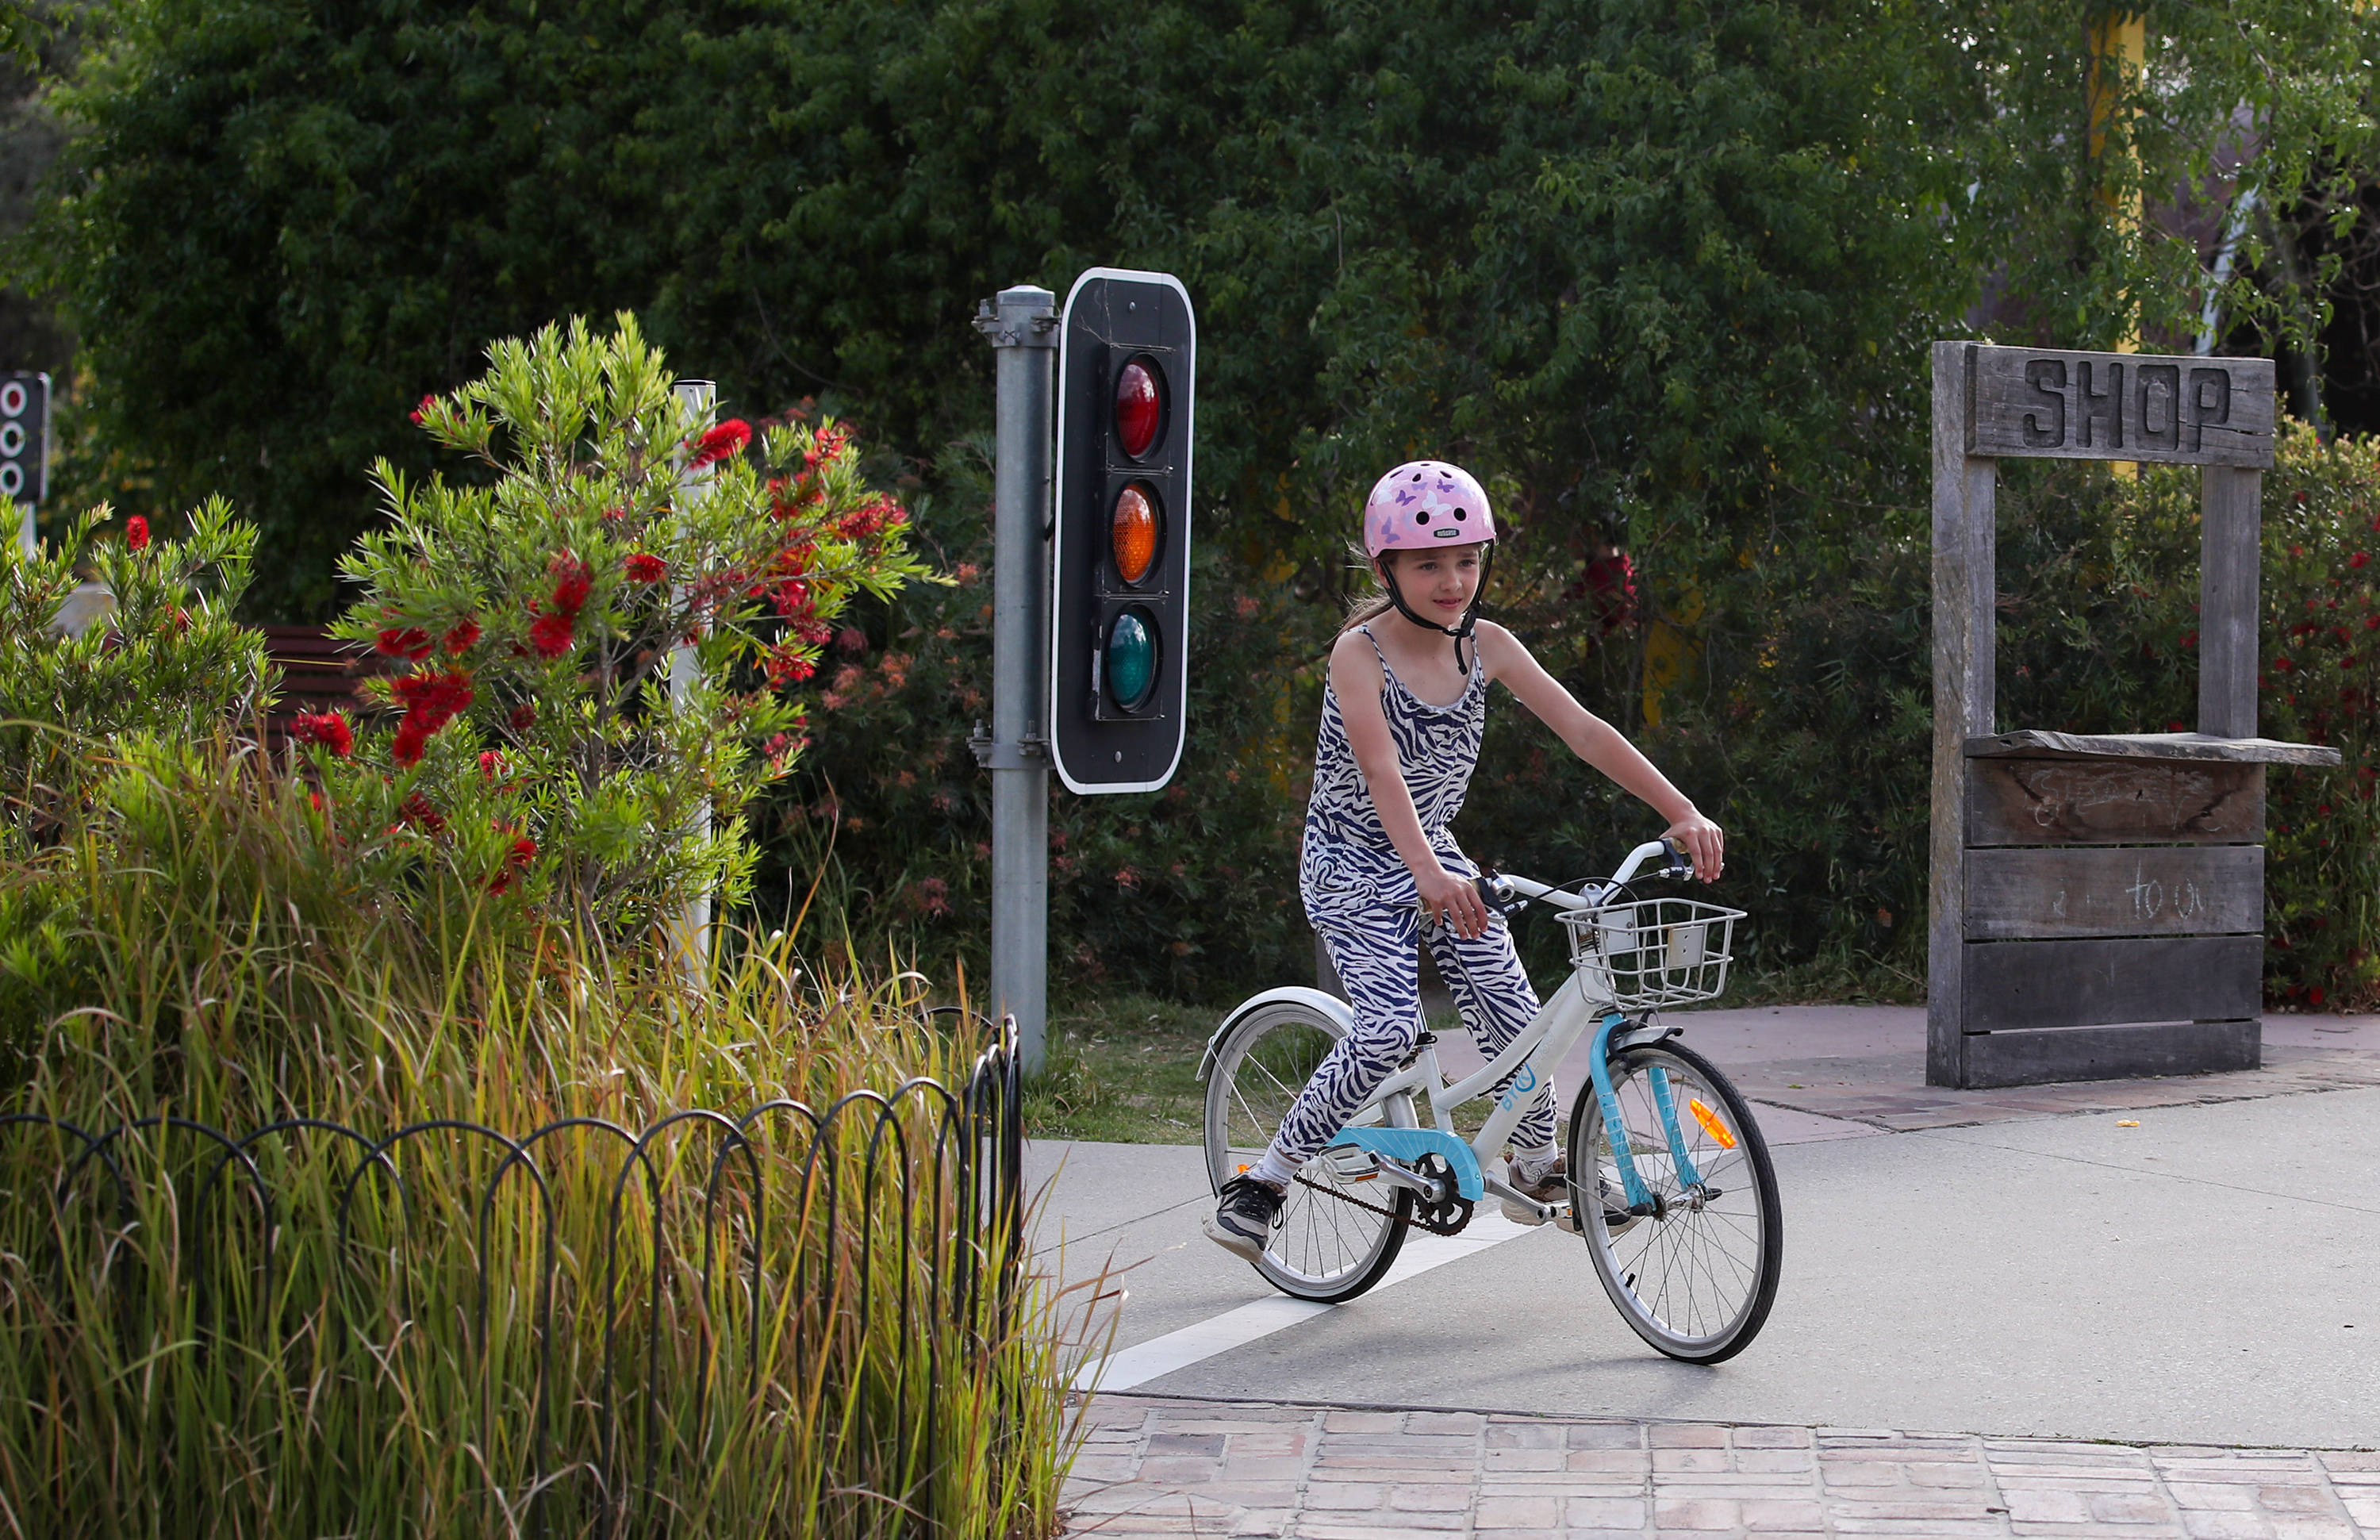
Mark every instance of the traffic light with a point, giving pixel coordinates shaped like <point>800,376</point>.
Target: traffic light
<point>24,445</point>
<point>1119,611</point>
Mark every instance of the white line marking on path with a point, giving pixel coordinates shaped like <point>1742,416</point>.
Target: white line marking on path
<point>1138,1365</point>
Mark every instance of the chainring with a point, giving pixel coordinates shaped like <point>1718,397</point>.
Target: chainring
<point>1446,1214</point>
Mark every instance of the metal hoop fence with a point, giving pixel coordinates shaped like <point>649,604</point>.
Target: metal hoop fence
<point>795,1321</point>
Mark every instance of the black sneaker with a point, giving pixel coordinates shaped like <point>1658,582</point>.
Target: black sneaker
<point>1245,1219</point>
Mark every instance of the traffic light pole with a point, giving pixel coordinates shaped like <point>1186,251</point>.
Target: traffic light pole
<point>1022,326</point>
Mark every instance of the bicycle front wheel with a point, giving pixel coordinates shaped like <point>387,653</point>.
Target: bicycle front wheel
<point>1325,1247</point>
<point>1697,1277</point>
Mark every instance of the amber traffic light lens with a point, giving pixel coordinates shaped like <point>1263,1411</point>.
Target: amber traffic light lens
<point>1131,533</point>
<point>1139,406</point>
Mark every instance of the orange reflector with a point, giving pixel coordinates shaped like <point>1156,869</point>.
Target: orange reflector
<point>1131,533</point>
<point>1711,1126</point>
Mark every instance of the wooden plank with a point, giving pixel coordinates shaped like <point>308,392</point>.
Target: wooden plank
<point>2113,1052</point>
<point>2042,403</point>
<point>2067,802</point>
<point>2033,743</point>
<point>2230,550</point>
<point>2139,891</point>
<point>2016,986</point>
<point>1964,592</point>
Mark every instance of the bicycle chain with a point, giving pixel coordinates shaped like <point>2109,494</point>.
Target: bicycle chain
<point>1435,1227</point>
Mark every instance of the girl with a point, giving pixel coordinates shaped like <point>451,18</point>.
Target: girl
<point>1401,720</point>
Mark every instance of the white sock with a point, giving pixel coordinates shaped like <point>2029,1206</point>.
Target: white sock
<point>1531,1164</point>
<point>1272,1170</point>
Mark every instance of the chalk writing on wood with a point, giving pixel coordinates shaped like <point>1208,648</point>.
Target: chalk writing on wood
<point>2042,403</point>
<point>2134,890</point>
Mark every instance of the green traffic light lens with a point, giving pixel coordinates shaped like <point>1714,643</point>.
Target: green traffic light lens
<point>1132,659</point>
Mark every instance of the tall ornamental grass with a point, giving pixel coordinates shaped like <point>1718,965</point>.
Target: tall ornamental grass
<point>803,1315</point>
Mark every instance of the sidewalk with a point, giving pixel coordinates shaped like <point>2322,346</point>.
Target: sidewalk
<point>2183,1266</point>
<point>1156,1466</point>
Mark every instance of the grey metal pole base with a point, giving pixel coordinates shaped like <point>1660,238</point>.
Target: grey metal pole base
<point>1022,325</point>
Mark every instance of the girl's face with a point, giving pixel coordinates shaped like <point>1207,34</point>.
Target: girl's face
<point>1438,584</point>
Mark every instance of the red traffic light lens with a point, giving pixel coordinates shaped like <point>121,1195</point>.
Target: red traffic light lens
<point>1132,532</point>
<point>1139,406</point>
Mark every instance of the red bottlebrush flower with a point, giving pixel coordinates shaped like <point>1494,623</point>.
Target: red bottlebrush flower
<point>521,718</point>
<point>136,532</point>
<point>572,583</point>
<point>2282,666</point>
<point>422,409</point>
<point>516,860</point>
<point>828,444</point>
<point>719,443</point>
<point>2360,559</point>
<point>329,728</point>
<point>787,666</point>
<point>491,763</point>
<point>791,598</point>
<point>410,642</point>
<point>552,635</point>
<point>418,813</point>
<point>2189,639</point>
<point>815,632</point>
<point>645,567</point>
<point>1127,877</point>
<point>930,895</point>
<point>431,701</point>
<point>851,638</point>
<point>458,641</point>
<point>871,518</point>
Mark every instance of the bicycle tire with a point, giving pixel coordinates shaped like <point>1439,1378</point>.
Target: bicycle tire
<point>1696,1280</point>
<point>1323,1249</point>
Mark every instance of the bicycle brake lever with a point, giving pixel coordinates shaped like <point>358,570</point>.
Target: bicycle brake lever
<point>1680,864</point>
<point>1499,894</point>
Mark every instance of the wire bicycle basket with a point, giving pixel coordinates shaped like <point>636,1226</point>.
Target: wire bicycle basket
<point>1651,953</point>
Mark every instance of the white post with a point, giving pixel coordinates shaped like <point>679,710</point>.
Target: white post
<point>690,938</point>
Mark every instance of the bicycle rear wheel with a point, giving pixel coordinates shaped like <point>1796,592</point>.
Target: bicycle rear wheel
<point>1324,1248</point>
<point>1695,1278</point>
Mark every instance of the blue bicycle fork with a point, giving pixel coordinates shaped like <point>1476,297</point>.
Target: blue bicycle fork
<point>1615,1127</point>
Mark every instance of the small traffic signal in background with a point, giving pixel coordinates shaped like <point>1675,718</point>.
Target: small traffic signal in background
<point>1120,610</point>
<point>24,446</point>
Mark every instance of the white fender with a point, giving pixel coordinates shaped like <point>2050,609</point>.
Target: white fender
<point>1288,994</point>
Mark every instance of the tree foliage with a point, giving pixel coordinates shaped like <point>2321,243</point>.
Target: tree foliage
<point>1662,272</point>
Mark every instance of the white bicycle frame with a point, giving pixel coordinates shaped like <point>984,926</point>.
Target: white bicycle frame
<point>1557,1024</point>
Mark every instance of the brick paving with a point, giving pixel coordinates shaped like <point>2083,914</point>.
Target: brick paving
<point>1156,1466</point>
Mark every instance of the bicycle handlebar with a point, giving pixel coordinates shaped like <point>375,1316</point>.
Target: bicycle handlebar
<point>1677,864</point>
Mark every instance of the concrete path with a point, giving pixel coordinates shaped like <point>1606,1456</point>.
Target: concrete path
<point>1983,1264</point>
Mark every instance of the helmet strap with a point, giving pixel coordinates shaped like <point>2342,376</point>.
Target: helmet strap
<point>1461,631</point>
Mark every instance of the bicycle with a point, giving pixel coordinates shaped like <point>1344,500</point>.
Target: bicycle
<point>1670,1181</point>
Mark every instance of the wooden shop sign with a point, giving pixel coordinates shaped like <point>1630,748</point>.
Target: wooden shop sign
<point>2033,402</point>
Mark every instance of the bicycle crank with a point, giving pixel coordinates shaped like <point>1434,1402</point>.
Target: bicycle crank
<point>1439,1210</point>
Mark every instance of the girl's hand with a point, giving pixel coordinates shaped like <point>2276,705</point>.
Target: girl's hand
<point>1704,843</point>
<point>1451,899</point>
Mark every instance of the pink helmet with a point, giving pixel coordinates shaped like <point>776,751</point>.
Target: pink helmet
<point>1423,502</point>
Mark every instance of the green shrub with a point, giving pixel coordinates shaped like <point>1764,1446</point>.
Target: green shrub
<point>607,619</point>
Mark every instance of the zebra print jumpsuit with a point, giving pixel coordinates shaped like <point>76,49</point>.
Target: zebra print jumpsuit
<point>1364,903</point>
